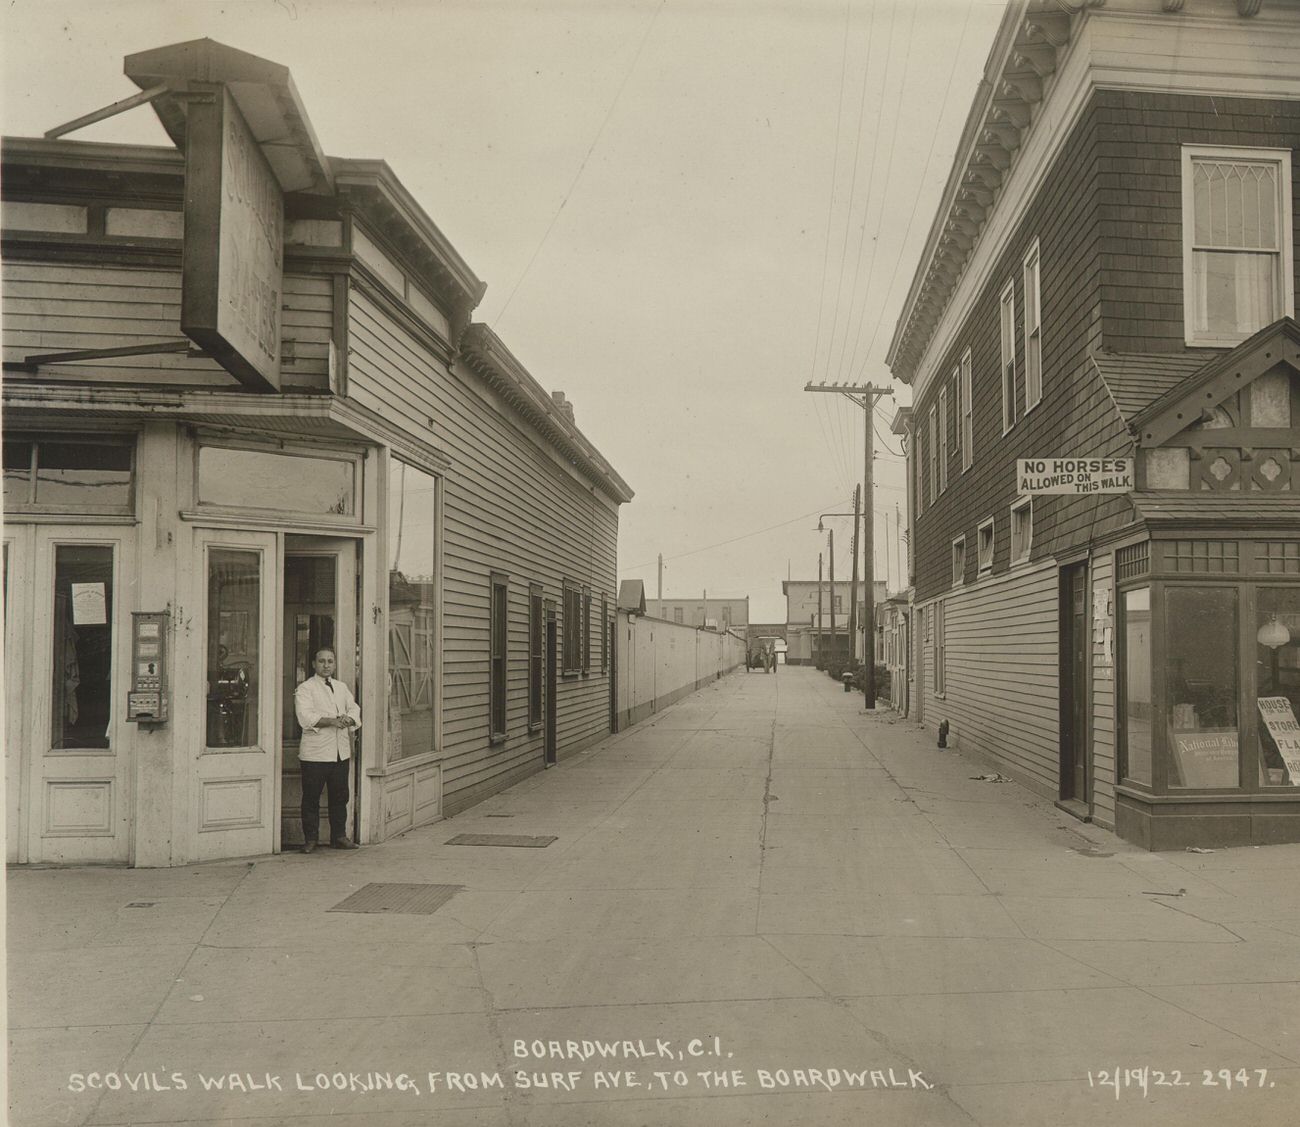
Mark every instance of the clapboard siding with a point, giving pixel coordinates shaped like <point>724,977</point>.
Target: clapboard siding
<point>1001,677</point>
<point>1103,690</point>
<point>511,507</point>
<point>59,307</point>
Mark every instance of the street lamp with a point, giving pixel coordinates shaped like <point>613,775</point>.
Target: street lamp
<point>853,588</point>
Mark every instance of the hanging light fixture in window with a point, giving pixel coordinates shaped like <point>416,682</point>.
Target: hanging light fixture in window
<point>1273,633</point>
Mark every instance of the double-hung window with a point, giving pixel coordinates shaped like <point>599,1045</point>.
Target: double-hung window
<point>572,661</point>
<point>959,561</point>
<point>934,454</point>
<point>1007,322</point>
<point>1237,259</point>
<point>966,422</point>
<point>943,438</point>
<point>1022,529</point>
<point>1033,331</point>
<point>536,655</point>
<point>497,673</point>
<point>918,458</point>
<point>984,546</point>
<point>586,629</point>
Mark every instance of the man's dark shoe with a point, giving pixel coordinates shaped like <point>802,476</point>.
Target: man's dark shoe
<point>308,846</point>
<point>344,843</point>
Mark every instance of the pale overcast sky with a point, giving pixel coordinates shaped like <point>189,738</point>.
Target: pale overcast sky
<point>684,210</point>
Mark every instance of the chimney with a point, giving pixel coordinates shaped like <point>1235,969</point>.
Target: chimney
<point>563,404</point>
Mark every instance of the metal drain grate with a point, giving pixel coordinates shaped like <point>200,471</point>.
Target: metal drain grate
<point>398,899</point>
<point>517,841</point>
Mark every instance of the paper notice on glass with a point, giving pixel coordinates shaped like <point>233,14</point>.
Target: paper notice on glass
<point>1279,719</point>
<point>89,606</point>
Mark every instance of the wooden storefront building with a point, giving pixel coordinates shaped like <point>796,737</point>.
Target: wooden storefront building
<point>1111,276</point>
<point>246,415</point>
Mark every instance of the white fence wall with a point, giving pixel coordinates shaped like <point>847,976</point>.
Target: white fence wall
<point>660,662</point>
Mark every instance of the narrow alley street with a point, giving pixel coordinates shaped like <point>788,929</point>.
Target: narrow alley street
<point>761,906</point>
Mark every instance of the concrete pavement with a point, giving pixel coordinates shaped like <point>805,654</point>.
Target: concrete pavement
<point>763,906</point>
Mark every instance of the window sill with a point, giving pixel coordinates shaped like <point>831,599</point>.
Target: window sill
<point>400,766</point>
<point>497,740</point>
<point>1216,342</point>
<point>67,516</point>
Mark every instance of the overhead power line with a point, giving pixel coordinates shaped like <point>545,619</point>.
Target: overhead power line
<point>582,167</point>
<point>735,539</point>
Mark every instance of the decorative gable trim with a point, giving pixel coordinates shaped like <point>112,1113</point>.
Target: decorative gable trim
<point>1185,404</point>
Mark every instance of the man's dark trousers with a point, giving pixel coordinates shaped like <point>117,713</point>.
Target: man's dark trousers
<point>333,776</point>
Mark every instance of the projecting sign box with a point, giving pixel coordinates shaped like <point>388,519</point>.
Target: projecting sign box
<point>1079,476</point>
<point>232,268</point>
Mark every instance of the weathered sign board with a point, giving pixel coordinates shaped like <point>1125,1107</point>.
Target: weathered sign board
<point>1078,476</point>
<point>1205,757</point>
<point>232,270</point>
<point>1279,719</point>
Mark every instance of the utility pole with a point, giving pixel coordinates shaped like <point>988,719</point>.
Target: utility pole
<point>853,585</point>
<point>830,532</point>
<point>820,660</point>
<point>898,547</point>
<point>661,584</point>
<point>865,396</point>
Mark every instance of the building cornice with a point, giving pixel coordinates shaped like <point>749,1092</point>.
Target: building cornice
<point>488,357</point>
<point>373,190</point>
<point>1042,71</point>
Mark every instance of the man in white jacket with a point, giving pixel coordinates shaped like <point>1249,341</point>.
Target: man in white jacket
<point>327,714</point>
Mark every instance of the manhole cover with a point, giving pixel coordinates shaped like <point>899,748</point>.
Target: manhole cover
<point>517,841</point>
<point>398,899</point>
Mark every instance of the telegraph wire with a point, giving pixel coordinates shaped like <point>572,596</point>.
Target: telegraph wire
<point>581,167</point>
<point>916,199</point>
<point>736,539</point>
<point>884,199</point>
<point>853,188</point>
<point>830,203</point>
<point>871,178</point>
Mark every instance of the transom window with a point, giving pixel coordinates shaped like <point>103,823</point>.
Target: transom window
<point>67,473</point>
<point>284,482</point>
<point>1237,274</point>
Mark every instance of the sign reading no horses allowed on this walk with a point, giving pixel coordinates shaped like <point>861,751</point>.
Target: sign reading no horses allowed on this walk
<point>1074,475</point>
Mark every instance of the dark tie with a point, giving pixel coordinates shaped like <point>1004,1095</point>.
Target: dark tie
<point>328,685</point>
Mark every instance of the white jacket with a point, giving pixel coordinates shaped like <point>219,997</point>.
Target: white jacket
<point>312,701</point>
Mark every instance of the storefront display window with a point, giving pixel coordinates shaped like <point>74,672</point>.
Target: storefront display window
<point>234,633</point>
<point>1137,684</point>
<point>412,605</point>
<point>1201,686</point>
<point>1277,690</point>
<point>286,483</point>
<point>83,651</point>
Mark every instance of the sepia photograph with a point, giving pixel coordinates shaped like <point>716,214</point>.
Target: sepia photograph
<point>651,563</point>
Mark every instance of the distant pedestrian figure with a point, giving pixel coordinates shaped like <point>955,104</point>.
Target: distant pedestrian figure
<point>327,714</point>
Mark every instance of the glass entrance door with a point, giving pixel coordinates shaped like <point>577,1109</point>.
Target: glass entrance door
<point>318,611</point>
<point>79,770</point>
<point>234,596</point>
